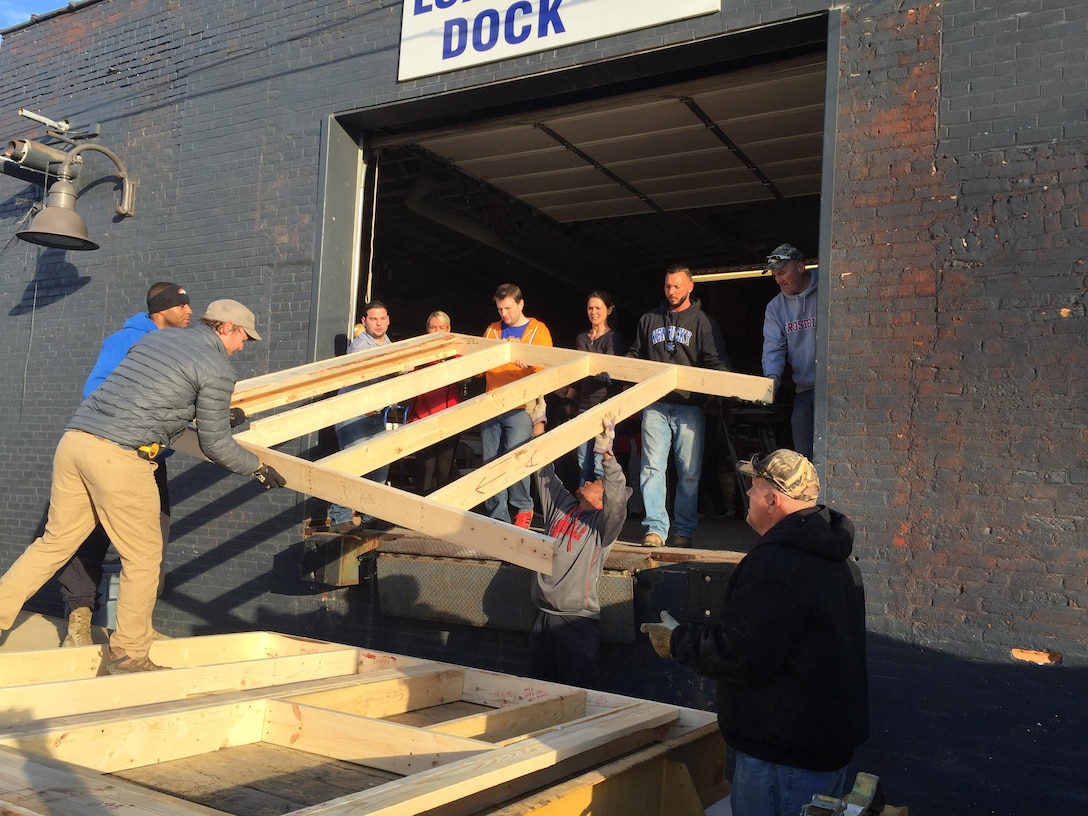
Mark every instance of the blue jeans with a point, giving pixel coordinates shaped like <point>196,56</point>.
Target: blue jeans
<point>590,464</point>
<point>499,436</point>
<point>354,432</point>
<point>802,421</point>
<point>677,428</point>
<point>766,789</point>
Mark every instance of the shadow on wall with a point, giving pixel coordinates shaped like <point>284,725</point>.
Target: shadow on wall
<point>956,737</point>
<point>54,280</point>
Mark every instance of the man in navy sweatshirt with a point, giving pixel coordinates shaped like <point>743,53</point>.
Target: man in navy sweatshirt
<point>678,332</point>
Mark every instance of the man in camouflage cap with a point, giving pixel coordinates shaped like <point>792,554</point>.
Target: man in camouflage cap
<point>788,649</point>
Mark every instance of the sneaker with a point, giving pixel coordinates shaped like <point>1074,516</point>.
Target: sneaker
<point>524,519</point>
<point>681,541</point>
<point>79,628</point>
<point>121,663</point>
<point>653,540</point>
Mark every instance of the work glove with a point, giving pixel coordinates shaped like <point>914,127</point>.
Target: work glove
<point>661,633</point>
<point>603,378</point>
<point>237,417</point>
<point>602,442</point>
<point>268,477</point>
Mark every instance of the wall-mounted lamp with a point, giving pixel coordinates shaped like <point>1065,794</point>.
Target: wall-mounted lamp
<point>58,224</point>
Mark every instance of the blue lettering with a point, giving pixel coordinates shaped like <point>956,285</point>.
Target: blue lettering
<point>549,18</point>
<point>657,336</point>
<point>485,24</point>
<point>521,36</point>
<point>488,26</point>
<point>420,7</point>
<point>454,37</point>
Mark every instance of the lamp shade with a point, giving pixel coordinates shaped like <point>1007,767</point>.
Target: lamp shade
<point>59,225</point>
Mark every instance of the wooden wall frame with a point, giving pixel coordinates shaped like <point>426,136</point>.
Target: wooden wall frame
<point>303,400</point>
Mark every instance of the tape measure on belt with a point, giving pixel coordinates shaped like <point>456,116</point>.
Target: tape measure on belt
<point>149,452</point>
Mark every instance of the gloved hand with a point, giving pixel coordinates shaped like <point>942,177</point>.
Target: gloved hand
<point>661,633</point>
<point>237,417</point>
<point>603,378</point>
<point>268,477</point>
<point>602,442</point>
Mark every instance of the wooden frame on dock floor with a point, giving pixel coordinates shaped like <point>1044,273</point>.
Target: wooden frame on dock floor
<point>421,364</point>
<point>384,734</point>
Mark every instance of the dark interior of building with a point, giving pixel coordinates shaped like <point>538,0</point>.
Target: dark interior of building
<point>601,181</point>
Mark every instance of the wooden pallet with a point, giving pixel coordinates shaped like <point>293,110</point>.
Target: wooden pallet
<point>301,398</point>
<point>306,727</point>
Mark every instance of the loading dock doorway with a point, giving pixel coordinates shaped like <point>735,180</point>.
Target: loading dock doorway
<point>600,177</point>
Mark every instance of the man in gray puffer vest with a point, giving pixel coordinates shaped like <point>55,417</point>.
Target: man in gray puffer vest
<point>104,466</point>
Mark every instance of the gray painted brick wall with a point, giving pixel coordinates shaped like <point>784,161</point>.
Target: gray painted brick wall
<point>957,340</point>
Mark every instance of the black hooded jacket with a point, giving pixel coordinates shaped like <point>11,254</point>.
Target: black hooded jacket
<point>789,652</point>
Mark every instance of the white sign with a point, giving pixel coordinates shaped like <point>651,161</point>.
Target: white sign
<point>444,35</point>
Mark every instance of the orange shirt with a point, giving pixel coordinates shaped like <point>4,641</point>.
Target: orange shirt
<point>535,332</point>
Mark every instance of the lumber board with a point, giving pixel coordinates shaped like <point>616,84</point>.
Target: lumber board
<point>390,446</point>
<point>291,385</point>
<point>525,548</point>
<point>61,697</point>
<point>500,690</point>
<point>440,786</point>
<point>305,419</point>
<point>524,460</point>
<point>505,723</point>
<point>120,743</point>
<point>393,696</point>
<point>89,661</point>
<point>375,743</point>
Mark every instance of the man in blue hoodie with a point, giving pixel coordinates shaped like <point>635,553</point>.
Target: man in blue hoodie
<point>167,308</point>
<point>678,332</point>
<point>789,333</point>
<point>788,648</point>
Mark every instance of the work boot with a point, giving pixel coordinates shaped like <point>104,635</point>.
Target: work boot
<point>653,540</point>
<point>524,519</point>
<point>121,663</point>
<point>79,628</point>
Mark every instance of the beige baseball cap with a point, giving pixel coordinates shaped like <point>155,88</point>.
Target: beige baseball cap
<point>790,473</point>
<point>233,312</point>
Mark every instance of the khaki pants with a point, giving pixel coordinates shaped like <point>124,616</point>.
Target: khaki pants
<point>97,480</point>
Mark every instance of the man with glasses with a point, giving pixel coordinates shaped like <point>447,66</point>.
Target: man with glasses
<point>788,649</point>
<point>789,333</point>
<point>678,332</point>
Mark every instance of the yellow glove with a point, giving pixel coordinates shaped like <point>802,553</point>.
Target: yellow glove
<point>661,633</point>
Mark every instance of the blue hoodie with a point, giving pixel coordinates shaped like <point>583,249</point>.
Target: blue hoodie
<point>115,347</point>
<point>789,330</point>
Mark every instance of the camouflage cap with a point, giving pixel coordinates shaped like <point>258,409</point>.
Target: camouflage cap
<point>783,254</point>
<point>789,472</point>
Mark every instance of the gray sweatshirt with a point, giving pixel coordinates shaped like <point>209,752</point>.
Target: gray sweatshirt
<point>789,332</point>
<point>582,541</point>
